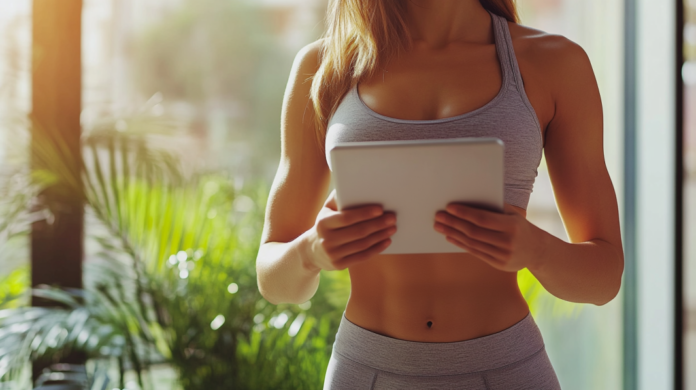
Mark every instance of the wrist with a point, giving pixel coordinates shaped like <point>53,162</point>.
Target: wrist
<point>541,257</point>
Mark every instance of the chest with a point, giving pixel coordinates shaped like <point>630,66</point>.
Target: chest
<point>432,85</point>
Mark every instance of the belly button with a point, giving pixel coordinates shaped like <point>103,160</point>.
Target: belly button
<point>430,324</point>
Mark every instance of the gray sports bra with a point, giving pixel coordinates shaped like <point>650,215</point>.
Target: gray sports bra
<point>509,117</point>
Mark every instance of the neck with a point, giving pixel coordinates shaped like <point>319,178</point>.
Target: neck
<point>437,23</point>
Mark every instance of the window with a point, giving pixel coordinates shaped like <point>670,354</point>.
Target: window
<point>592,357</point>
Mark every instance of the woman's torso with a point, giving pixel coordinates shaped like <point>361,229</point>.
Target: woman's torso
<point>476,90</point>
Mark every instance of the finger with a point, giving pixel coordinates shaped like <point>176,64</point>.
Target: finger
<point>364,255</point>
<point>362,244</point>
<point>331,201</point>
<point>492,237</point>
<point>349,217</point>
<point>491,250</point>
<point>360,230</point>
<point>484,218</point>
<point>483,256</point>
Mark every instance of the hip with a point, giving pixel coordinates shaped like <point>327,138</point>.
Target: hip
<point>514,358</point>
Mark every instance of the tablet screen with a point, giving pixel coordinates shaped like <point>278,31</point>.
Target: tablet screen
<point>415,179</point>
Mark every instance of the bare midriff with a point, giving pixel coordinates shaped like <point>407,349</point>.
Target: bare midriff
<point>442,297</point>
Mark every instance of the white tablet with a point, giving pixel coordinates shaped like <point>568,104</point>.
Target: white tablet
<point>415,179</point>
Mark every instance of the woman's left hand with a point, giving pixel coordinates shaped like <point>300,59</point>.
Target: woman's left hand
<point>506,241</point>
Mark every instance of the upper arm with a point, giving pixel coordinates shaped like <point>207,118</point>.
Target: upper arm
<point>574,148</point>
<point>302,179</point>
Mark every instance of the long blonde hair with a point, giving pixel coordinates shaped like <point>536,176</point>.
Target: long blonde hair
<point>360,36</point>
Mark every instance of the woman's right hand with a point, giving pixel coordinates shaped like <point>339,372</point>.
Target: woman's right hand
<point>340,239</point>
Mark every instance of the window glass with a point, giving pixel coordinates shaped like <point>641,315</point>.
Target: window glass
<point>211,72</point>
<point>15,103</point>
<point>584,342</point>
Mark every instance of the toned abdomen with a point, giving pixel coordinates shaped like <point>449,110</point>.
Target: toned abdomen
<point>433,297</point>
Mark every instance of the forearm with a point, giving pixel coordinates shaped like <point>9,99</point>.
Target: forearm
<point>587,272</point>
<point>283,274</point>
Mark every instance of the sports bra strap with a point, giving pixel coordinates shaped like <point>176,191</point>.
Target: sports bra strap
<point>506,51</point>
<point>508,59</point>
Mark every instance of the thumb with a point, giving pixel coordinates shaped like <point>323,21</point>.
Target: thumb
<point>331,201</point>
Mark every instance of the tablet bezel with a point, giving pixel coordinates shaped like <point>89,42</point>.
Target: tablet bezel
<point>489,194</point>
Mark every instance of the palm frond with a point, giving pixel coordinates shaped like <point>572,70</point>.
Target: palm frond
<point>81,321</point>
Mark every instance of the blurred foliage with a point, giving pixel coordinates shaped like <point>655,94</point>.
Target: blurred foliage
<point>13,288</point>
<point>71,376</point>
<point>16,199</point>
<point>174,280</point>
<point>224,59</point>
<point>187,59</point>
<point>541,301</point>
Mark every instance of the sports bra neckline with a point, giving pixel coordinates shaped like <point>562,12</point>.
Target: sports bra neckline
<point>499,43</point>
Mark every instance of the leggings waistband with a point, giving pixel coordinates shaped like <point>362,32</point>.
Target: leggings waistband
<point>404,357</point>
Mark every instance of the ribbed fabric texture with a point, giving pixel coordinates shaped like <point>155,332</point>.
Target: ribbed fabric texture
<point>514,358</point>
<point>509,117</point>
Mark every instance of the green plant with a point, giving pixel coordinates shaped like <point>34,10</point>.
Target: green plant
<point>13,287</point>
<point>173,281</point>
<point>192,246</point>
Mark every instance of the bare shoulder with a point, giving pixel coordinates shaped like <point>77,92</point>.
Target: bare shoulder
<point>297,101</point>
<point>541,47</point>
<point>307,60</point>
<point>556,57</point>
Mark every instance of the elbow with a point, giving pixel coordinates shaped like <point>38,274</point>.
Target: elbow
<point>264,289</point>
<point>272,300</point>
<point>277,300</point>
<point>271,297</point>
<point>264,281</point>
<point>612,293</point>
<point>613,286</point>
<point>281,279</point>
<point>276,296</point>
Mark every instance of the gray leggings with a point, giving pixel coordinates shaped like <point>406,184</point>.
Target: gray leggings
<point>511,359</point>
